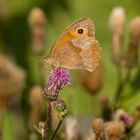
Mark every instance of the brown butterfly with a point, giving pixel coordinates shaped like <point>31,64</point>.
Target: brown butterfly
<point>76,48</point>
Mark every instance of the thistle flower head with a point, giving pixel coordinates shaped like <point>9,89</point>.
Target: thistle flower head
<point>122,116</point>
<point>58,78</point>
<point>126,119</point>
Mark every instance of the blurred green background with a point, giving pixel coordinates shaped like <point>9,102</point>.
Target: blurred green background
<point>15,39</point>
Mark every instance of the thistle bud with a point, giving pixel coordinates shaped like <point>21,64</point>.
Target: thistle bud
<point>116,22</point>
<point>92,81</point>
<point>137,111</point>
<point>117,19</point>
<point>12,80</point>
<point>132,53</point>
<point>36,95</point>
<point>60,107</point>
<point>42,128</point>
<point>4,10</point>
<point>106,109</point>
<point>36,17</point>
<point>36,21</point>
<point>35,105</point>
<point>134,27</point>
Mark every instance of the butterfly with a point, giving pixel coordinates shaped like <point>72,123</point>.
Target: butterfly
<point>76,48</point>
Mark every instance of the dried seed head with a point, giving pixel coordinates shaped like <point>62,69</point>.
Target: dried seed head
<point>98,129</point>
<point>114,130</point>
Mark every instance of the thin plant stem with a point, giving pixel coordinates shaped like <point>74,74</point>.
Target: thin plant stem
<point>127,79</point>
<point>47,122</point>
<point>119,90</point>
<point>56,130</point>
<point>119,74</point>
<point>121,83</point>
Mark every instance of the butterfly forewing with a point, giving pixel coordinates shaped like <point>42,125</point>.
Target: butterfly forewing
<point>77,47</point>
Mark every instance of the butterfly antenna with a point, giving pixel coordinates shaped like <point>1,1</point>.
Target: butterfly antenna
<point>36,58</point>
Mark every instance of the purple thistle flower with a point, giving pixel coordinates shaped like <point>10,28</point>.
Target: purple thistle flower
<point>58,78</point>
<point>127,120</point>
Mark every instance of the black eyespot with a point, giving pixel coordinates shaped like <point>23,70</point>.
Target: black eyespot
<point>80,31</point>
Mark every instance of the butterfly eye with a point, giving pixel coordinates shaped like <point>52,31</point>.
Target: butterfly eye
<point>80,31</point>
